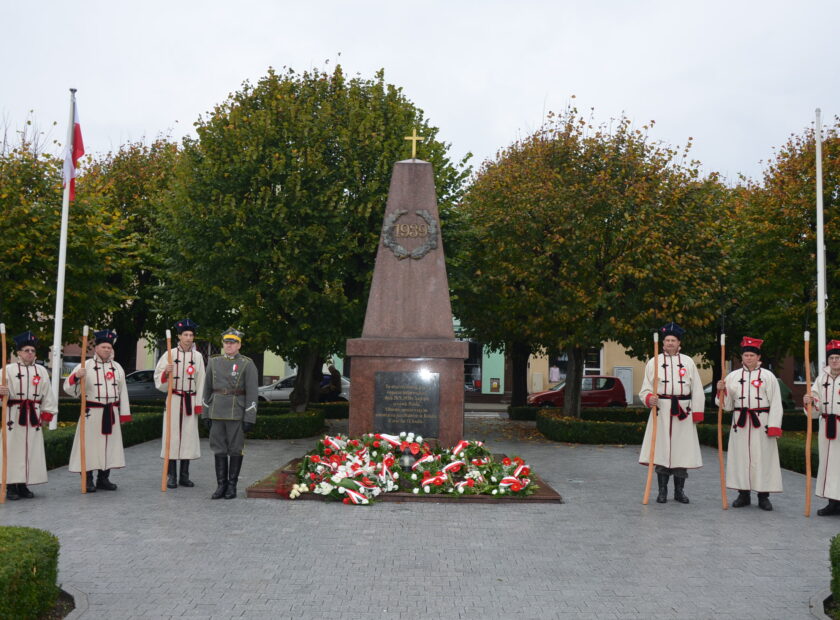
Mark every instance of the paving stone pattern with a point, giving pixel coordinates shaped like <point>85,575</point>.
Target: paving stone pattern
<point>140,553</point>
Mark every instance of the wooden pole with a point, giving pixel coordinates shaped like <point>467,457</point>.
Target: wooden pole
<point>3,414</point>
<point>724,502</point>
<point>808,431</point>
<point>654,416</point>
<point>83,413</point>
<point>167,417</point>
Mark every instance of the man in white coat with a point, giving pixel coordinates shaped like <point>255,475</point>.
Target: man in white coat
<point>186,373</point>
<point>31,402</point>
<point>680,399</point>
<point>752,394</point>
<point>107,409</point>
<point>825,397</point>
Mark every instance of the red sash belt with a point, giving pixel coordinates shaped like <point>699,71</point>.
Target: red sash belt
<point>27,411</point>
<point>108,416</point>
<point>830,425</point>
<point>676,407</point>
<point>752,414</point>
<point>186,400</point>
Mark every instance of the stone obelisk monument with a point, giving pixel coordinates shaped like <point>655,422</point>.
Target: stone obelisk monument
<point>407,369</point>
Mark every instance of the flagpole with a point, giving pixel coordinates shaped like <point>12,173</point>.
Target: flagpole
<point>820,250</point>
<point>62,261</point>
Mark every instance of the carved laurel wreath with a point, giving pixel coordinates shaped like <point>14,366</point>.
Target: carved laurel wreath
<point>390,240</point>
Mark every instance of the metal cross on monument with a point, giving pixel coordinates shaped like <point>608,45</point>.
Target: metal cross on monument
<point>414,140</point>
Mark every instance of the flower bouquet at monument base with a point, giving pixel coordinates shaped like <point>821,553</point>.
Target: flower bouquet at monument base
<point>358,470</point>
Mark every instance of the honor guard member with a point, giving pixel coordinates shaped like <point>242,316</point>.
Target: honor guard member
<point>825,398</point>
<point>31,402</point>
<point>186,374</point>
<point>230,409</point>
<point>752,394</point>
<point>681,403</point>
<point>106,410</point>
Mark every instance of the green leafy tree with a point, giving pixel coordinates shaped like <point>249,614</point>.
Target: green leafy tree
<point>30,202</point>
<point>576,235</point>
<point>131,185</point>
<point>773,292</point>
<point>277,207</point>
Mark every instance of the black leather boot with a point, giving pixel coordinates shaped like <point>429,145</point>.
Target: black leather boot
<point>742,500</point>
<point>172,475</point>
<point>11,492</point>
<point>102,481</point>
<point>663,488</point>
<point>679,484</point>
<point>233,475</point>
<point>22,491</point>
<point>90,486</point>
<point>764,501</point>
<point>221,476</point>
<point>184,480</point>
<point>833,508</point>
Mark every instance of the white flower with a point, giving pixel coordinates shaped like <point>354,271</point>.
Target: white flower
<point>493,479</point>
<point>410,438</point>
<point>396,476</point>
<point>376,491</point>
<point>402,435</point>
<point>450,490</point>
<point>501,491</point>
<point>343,490</point>
<point>460,489</point>
<point>415,490</point>
<point>418,439</point>
<point>426,489</point>
<point>414,476</point>
<point>374,453</point>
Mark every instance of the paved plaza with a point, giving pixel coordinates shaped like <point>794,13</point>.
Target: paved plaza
<point>140,553</point>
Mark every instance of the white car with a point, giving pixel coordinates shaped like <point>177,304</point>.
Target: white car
<point>280,390</point>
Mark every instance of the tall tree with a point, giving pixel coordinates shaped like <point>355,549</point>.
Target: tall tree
<point>30,201</point>
<point>131,184</point>
<point>577,234</point>
<point>277,209</point>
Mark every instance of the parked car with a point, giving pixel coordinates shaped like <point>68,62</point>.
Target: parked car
<point>280,390</point>
<point>596,391</point>
<point>141,386</point>
<point>787,396</point>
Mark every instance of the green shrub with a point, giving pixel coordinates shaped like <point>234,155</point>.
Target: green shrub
<point>834,557</point>
<point>334,411</point>
<point>287,426</point>
<point>28,571</point>
<point>522,413</point>
<point>572,430</point>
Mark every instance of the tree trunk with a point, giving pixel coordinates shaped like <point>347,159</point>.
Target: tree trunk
<point>520,352</point>
<point>306,388</point>
<point>574,379</point>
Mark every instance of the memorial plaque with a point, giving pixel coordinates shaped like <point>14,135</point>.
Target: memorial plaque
<point>407,401</point>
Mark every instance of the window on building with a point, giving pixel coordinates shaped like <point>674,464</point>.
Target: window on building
<point>799,371</point>
<point>591,363</point>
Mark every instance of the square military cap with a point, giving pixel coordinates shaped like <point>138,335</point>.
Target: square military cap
<point>232,334</point>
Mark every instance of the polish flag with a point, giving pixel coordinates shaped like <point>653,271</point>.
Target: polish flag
<point>73,153</point>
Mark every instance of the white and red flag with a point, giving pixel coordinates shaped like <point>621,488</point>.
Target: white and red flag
<point>75,150</point>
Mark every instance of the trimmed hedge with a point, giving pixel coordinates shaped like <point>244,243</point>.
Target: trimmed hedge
<point>572,430</point>
<point>28,572</point>
<point>834,557</point>
<point>287,426</point>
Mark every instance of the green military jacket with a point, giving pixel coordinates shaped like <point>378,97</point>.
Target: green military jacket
<point>230,389</point>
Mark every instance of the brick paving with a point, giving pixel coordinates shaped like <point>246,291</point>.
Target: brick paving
<point>140,553</point>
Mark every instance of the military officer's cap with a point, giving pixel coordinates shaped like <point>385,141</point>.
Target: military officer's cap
<point>26,339</point>
<point>672,329</point>
<point>185,325</point>
<point>232,334</point>
<point>105,335</point>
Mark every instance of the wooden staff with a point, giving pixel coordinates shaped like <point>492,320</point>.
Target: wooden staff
<point>655,417</point>
<point>167,418</point>
<point>83,413</point>
<point>724,502</point>
<point>808,431</point>
<point>3,413</point>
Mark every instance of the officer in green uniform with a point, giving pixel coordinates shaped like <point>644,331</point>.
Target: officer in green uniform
<point>230,409</point>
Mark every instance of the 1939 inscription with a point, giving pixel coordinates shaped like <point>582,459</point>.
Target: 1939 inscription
<point>407,401</point>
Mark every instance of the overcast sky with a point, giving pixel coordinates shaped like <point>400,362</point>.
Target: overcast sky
<point>738,77</point>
